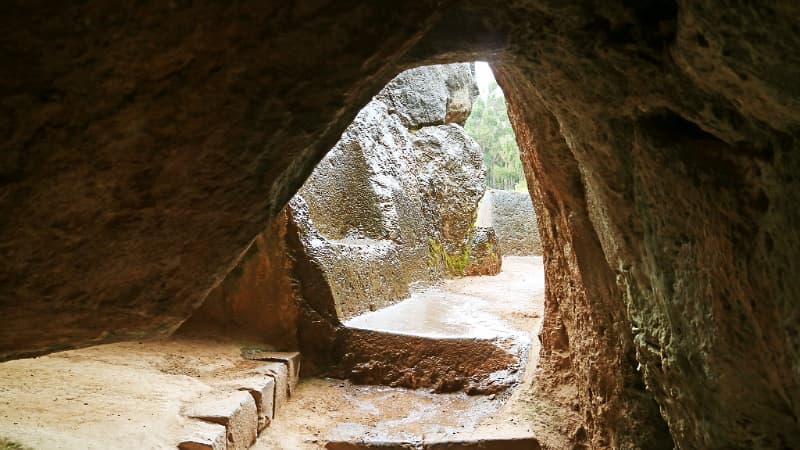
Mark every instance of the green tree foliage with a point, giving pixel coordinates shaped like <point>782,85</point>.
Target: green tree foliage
<point>488,124</point>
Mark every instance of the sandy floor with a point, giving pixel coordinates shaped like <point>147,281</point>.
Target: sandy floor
<point>117,396</point>
<point>506,305</point>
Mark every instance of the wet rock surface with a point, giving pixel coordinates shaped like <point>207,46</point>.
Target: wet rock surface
<point>143,146</point>
<point>513,219</point>
<point>442,364</point>
<point>444,339</point>
<point>393,202</point>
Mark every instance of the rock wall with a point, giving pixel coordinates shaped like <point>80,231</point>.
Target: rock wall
<point>382,211</point>
<point>392,204</point>
<point>664,191</point>
<point>145,145</point>
<point>513,218</point>
<point>257,301</point>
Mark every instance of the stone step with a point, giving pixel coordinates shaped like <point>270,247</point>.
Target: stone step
<point>290,359</point>
<point>262,388</point>
<point>528,443</point>
<point>477,366</point>
<point>235,410</point>
<point>231,416</point>
<point>204,436</point>
<point>519,443</point>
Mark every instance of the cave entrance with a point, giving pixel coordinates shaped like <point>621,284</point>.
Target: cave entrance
<point>424,243</point>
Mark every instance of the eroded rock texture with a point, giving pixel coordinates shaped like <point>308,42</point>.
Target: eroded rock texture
<point>257,300</point>
<point>393,203</point>
<point>476,366</point>
<point>431,96</point>
<point>484,257</point>
<point>144,146</point>
<point>513,218</point>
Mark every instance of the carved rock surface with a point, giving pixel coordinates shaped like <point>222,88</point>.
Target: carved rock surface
<point>513,219</point>
<point>477,366</point>
<point>257,300</point>
<point>143,146</point>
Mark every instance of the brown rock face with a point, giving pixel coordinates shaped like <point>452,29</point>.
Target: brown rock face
<point>257,300</point>
<point>477,366</point>
<point>143,146</point>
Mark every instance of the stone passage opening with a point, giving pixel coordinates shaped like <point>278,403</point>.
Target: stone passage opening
<point>430,286</point>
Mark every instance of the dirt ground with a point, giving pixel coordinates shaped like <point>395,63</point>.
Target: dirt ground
<point>129,395</point>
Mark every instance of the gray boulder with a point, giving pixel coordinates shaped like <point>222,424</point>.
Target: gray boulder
<point>452,179</point>
<point>431,95</point>
<point>393,203</point>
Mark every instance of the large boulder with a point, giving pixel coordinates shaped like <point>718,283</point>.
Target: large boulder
<point>393,203</point>
<point>433,95</point>
<point>452,179</point>
<point>513,218</point>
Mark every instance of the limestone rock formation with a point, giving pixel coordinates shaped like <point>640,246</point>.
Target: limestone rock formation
<point>144,145</point>
<point>513,219</point>
<point>395,199</point>
<point>484,257</point>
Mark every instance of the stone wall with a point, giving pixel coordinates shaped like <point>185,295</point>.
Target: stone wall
<point>513,218</point>
<point>257,300</point>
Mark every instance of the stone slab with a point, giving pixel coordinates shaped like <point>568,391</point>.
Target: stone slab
<point>291,359</point>
<point>370,445</point>
<point>280,373</point>
<point>523,443</point>
<point>262,388</point>
<point>527,443</point>
<point>200,435</point>
<point>235,410</point>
